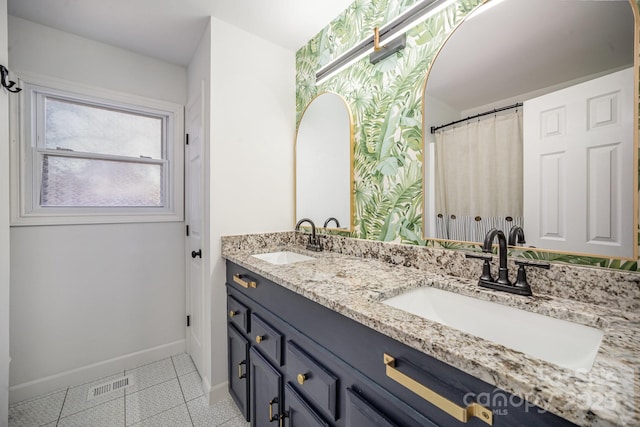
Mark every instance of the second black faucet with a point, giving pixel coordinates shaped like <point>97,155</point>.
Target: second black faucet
<point>314,242</point>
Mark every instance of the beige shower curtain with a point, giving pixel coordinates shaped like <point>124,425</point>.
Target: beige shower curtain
<point>478,177</point>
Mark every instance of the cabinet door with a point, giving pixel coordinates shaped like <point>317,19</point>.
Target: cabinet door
<point>266,395</point>
<point>238,349</point>
<point>299,413</point>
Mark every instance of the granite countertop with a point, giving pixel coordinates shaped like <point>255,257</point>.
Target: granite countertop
<point>355,286</point>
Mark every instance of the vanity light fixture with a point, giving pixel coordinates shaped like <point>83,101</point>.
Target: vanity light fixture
<point>386,41</point>
<point>383,52</point>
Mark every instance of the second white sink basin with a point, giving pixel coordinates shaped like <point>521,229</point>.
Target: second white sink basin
<point>284,257</point>
<point>563,343</point>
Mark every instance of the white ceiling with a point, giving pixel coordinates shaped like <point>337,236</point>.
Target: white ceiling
<point>170,29</point>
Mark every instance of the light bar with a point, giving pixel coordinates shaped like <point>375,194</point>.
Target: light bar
<point>392,34</point>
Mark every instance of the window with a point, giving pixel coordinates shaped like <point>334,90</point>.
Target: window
<point>90,157</point>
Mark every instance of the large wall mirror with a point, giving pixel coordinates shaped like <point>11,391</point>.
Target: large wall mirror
<point>552,143</point>
<point>323,163</point>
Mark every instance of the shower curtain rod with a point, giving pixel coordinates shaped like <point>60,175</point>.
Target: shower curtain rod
<point>516,105</point>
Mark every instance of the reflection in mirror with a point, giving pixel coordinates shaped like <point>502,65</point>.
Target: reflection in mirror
<point>323,155</point>
<point>558,160</point>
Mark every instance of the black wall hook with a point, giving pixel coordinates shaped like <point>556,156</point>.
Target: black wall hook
<point>6,83</point>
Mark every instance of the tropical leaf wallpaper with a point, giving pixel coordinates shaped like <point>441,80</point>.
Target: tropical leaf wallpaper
<point>386,102</point>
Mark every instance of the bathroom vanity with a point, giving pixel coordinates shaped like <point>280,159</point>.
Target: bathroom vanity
<point>311,343</point>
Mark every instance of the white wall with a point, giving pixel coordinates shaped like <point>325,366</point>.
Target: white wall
<point>252,134</point>
<point>536,93</point>
<point>4,227</point>
<point>44,50</point>
<point>88,300</point>
<point>249,132</point>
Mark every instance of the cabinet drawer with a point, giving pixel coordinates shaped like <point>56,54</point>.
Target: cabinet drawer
<point>314,381</point>
<point>241,278</point>
<point>238,314</point>
<point>442,400</point>
<point>266,338</point>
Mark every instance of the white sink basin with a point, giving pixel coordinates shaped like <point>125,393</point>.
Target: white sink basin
<point>563,343</point>
<point>283,257</point>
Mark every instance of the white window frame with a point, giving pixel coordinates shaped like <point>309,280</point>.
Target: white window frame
<point>27,154</point>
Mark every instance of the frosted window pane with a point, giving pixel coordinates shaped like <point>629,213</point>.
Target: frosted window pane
<point>92,129</point>
<point>69,181</point>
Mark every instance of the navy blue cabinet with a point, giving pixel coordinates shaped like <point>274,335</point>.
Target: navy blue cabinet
<point>238,314</point>
<point>238,369</point>
<point>267,339</point>
<point>298,413</point>
<point>361,413</point>
<point>266,391</point>
<point>315,381</point>
<point>310,366</point>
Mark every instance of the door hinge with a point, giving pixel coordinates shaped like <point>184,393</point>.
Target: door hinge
<point>187,231</point>
<point>188,321</point>
<point>186,138</point>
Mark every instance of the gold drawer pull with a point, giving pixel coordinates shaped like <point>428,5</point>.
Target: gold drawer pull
<point>259,338</point>
<point>271,402</point>
<point>244,283</point>
<point>457,412</point>
<point>301,378</point>
<point>240,374</point>
<point>232,313</point>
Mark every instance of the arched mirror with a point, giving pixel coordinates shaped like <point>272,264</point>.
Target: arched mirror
<point>323,163</point>
<point>530,121</point>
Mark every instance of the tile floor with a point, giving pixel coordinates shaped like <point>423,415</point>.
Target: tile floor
<point>166,393</point>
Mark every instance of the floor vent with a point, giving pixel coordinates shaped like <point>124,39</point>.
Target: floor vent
<point>109,387</point>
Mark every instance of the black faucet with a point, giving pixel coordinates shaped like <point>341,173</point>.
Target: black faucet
<point>521,286</point>
<point>503,272</point>
<point>314,242</point>
<point>516,236</point>
<point>332,219</point>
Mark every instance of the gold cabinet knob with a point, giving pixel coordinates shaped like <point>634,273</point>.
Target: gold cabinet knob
<point>259,339</point>
<point>232,313</point>
<point>301,378</point>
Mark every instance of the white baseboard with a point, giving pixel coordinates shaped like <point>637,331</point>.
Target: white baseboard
<point>93,371</point>
<point>219,392</point>
<point>206,386</point>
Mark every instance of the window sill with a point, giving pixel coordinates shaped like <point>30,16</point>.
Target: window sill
<point>125,218</point>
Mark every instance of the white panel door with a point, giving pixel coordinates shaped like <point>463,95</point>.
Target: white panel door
<point>578,168</point>
<point>195,223</point>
